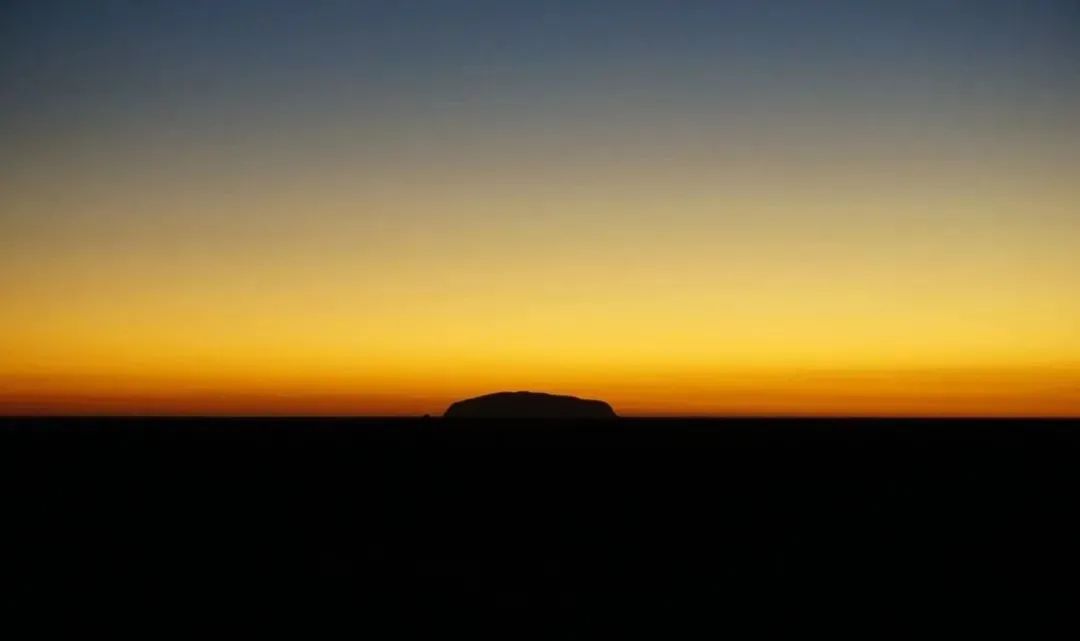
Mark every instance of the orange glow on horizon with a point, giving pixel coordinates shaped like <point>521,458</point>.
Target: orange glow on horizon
<point>748,393</point>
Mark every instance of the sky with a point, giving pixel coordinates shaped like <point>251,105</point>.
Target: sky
<point>683,208</point>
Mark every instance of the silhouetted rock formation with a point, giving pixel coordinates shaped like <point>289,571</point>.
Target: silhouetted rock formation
<point>528,405</point>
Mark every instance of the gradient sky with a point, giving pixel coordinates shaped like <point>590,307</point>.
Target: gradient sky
<point>753,207</point>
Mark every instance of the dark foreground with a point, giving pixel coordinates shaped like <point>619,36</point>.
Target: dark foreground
<point>549,530</point>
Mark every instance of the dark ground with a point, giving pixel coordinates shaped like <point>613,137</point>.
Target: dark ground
<point>549,530</point>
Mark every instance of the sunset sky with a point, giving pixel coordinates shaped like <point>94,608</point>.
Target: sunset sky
<point>744,207</point>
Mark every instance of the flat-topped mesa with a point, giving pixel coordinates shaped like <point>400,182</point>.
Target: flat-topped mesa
<point>529,405</point>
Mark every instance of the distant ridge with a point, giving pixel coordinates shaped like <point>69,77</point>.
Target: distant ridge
<point>528,405</point>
